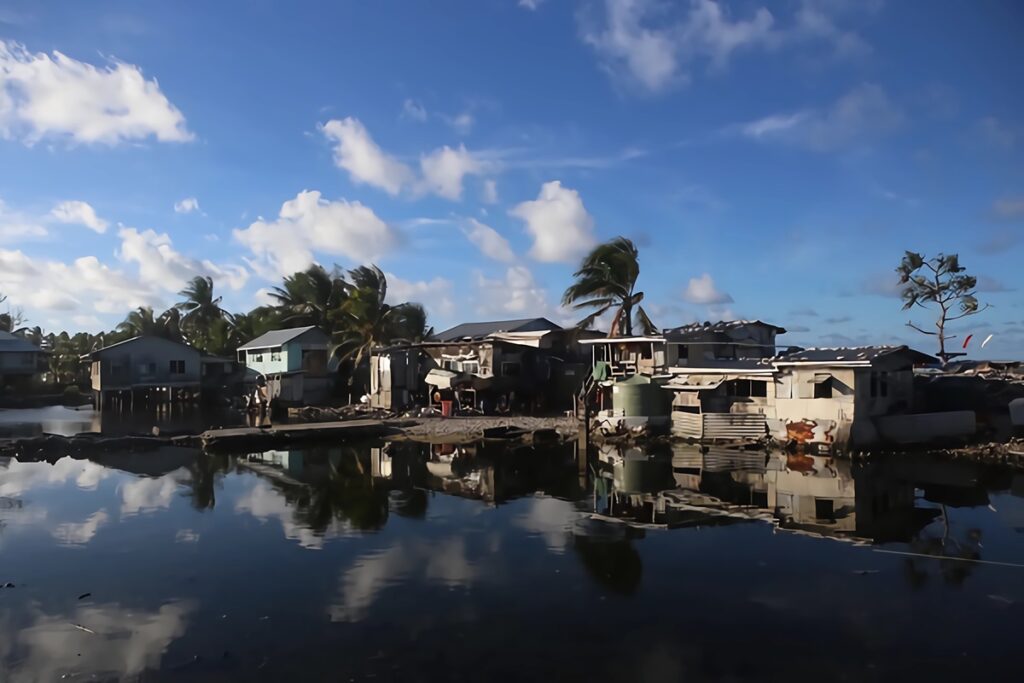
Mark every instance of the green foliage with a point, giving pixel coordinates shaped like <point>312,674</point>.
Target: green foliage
<point>939,282</point>
<point>606,281</point>
<point>351,307</point>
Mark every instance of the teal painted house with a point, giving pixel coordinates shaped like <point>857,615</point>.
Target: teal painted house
<point>293,361</point>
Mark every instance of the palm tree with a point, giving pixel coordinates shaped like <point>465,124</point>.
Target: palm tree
<point>308,296</point>
<point>142,323</point>
<point>364,319</point>
<point>605,281</point>
<point>201,310</point>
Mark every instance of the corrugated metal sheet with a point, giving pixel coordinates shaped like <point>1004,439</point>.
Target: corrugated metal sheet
<point>734,426</point>
<point>719,426</point>
<point>687,425</point>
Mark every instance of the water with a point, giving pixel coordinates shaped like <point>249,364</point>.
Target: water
<point>66,421</point>
<point>410,562</point>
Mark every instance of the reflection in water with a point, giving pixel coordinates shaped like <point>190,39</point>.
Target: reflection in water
<point>431,558</point>
<point>105,642</point>
<point>170,418</point>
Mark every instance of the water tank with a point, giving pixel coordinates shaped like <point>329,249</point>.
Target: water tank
<point>639,397</point>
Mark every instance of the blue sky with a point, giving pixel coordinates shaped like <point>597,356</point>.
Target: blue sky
<point>771,160</point>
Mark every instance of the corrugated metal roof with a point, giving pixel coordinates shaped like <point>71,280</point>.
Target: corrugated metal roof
<point>483,329</point>
<point>277,337</point>
<point>721,326</point>
<point>853,354</point>
<point>12,343</point>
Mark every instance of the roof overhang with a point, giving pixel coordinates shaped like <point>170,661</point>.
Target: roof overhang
<point>622,340</point>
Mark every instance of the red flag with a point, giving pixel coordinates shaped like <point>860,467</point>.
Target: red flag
<point>968,340</point>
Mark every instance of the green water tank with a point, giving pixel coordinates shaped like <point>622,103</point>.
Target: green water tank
<point>639,397</point>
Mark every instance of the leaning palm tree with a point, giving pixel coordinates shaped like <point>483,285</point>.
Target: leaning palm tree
<point>606,281</point>
<point>364,319</point>
<point>200,309</point>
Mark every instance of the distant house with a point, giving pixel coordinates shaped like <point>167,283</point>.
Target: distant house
<point>522,364</point>
<point>158,368</point>
<point>293,361</point>
<point>20,360</point>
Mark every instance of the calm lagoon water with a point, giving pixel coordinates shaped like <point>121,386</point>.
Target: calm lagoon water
<point>409,562</point>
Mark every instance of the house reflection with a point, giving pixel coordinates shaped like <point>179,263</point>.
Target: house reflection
<point>689,485</point>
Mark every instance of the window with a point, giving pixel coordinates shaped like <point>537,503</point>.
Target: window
<point>824,508</point>
<point>746,387</point>
<point>511,369</point>
<point>146,369</point>
<point>258,358</point>
<point>725,351</point>
<point>471,366</point>
<point>449,364</point>
<point>275,354</point>
<point>177,367</point>
<point>823,387</point>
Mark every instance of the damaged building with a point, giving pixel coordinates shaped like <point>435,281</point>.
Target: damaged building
<point>528,365</point>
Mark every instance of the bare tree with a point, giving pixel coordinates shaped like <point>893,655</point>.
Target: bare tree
<point>939,281</point>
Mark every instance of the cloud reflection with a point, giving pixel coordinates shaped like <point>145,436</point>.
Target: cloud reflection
<point>124,643</point>
<point>444,563</point>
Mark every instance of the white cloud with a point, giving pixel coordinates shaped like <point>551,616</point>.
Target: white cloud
<point>656,57</point>
<point>435,295</point>
<point>561,228</point>
<point>366,162</point>
<point>444,168</point>
<point>79,213</point>
<point>15,227</point>
<point>701,290</point>
<point>517,293</point>
<point>43,96</point>
<point>78,285</point>
<point>655,45</point>
<point>489,241</point>
<point>530,4</point>
<point>863,113</point>
<point>308,223</point>
<point>413,110</point>
<point>489,191</point>
<point>995,133</point>
<point>186,205</point>
<point>161,266</point>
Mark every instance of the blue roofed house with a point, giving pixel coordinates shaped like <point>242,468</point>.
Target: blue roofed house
<point>20,361</point>
<point>293,361</point>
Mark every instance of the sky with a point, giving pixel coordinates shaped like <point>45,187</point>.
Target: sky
<point>771,160</point>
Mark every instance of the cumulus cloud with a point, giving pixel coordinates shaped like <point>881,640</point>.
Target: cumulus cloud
<point>516,293</point>
<point>356,152</point>
<point>44,96</point>
<point>309,223</point>
<point>561,228</point>
<point>863,113</point>
<point>441,171</point>
<point>489,241</point>
<point>654,46</point>
<point>162,266</point>
<point>79,213</point>
<point>444,168</point>
<point>78,285</point>
<point>435,295</point>
<point>186,205</point>
<point>702,290</point>
<point>461,123</point>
